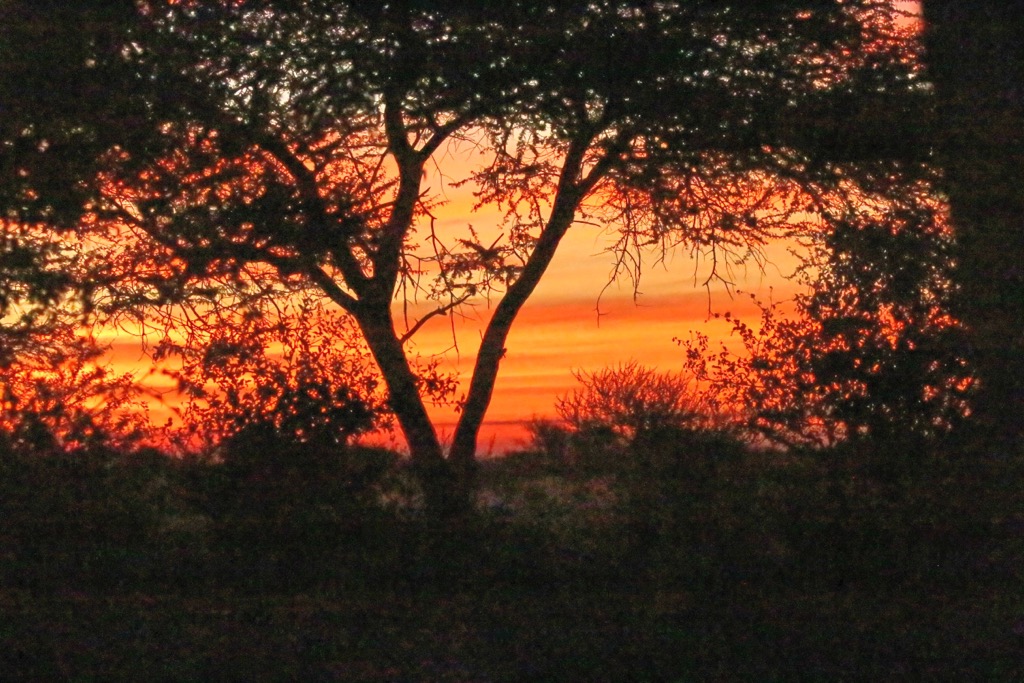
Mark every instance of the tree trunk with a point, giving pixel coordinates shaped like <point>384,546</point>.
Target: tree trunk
<point>976,60</point>
<point>446,494</point>
<point>492,348</point>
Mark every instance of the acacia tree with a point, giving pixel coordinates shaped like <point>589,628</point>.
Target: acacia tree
<point>268,147</point>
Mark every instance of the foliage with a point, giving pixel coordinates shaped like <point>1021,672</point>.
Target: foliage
<point>59,396</point>
<point>844,569</point>
<point>295,368</point>
<point>297,372</point>
<point>276,400</point>
<point>97,518</point>
<point>295,508</point>
<point>34,279</point>
<point>60,67</point>
<point>872,354</point>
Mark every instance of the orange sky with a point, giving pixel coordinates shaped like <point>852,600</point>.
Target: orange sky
<point>559,330</point>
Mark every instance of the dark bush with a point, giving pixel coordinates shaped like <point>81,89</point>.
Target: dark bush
<point>294,507</point>
<point>95,516</point>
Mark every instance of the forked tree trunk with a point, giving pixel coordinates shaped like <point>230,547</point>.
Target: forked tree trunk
<point>449,483</point>
<point>446,493</point>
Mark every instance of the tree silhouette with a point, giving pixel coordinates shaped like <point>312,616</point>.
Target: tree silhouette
<point>272,147</point>
<point>976,61</point>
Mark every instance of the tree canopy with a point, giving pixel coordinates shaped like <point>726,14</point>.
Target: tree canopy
<point>226,152</point>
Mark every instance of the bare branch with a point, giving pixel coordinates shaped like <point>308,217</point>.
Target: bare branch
<point>441,310</point>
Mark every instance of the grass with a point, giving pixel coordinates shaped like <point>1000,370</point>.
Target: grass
<point>756,569</point>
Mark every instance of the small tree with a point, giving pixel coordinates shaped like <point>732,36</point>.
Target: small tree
<point>631,403</point>
<point>872,354</point>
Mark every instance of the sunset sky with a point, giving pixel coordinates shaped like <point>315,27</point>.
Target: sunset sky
<point>560,329</point>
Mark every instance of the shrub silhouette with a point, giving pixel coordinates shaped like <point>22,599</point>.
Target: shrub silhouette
<point>60,396</point>
<point>288,497</point>
<point>636,409</point>
<point>95,516</point>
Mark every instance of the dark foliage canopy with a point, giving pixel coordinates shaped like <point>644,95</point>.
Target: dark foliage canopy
<point>868,352</point>
<point>975,59</point>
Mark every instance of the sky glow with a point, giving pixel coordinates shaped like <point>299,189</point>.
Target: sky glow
<point>576,320</point>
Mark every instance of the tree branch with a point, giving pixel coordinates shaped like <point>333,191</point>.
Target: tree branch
<point>442,133</point>
<point>394,126</point>
<point>306,183</point>
<point>387,257</point>
<point>441,310</point>
<point>492,347</point>
<point>331,288</point>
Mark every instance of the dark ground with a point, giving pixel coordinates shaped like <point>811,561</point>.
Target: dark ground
<point>747,570</point>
